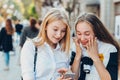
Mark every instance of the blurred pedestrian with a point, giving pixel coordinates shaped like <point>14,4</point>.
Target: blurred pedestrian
<point>6,42</point>
<point>17,34</point>
<point>29,31</point>
<point>18,30</point>
<point>38,24</point>
<point>18,27</point>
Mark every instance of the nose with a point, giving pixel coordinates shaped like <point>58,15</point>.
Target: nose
<point>58,34</point>
<point>82,38</point>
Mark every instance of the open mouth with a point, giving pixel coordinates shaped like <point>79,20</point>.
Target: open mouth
<point>83,43</point>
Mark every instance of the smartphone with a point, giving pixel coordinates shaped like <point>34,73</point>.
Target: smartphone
<point>69,75</point>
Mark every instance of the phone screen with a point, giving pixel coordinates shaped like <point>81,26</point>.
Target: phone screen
<point>69,75</point>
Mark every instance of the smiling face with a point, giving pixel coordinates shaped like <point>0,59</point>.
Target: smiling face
<point>84,32</point>
<point>55,31</point>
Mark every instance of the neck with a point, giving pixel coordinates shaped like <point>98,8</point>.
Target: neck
<point>52,45</point>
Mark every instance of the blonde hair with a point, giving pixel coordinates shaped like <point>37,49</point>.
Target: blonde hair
<point>53,15</point>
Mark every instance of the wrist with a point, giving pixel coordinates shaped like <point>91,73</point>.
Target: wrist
<point>96,60</point>
<point>77,58</point>
<point>78,52</point>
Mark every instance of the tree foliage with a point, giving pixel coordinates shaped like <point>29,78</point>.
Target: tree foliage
<point>30,10</point>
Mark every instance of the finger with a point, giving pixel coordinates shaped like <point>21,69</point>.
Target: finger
<point>92,40</point>
<point>60,78</point>
<point>62,70</point>
<point>89,43</point>
<point>68,79</point>
<point>75,39</point>
<point>96,41</point>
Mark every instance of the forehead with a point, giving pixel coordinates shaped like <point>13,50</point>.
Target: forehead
<point>83,27</point>
<point>57,24</point>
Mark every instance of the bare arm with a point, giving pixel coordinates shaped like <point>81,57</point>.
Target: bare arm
<point>92,49</point>
<point>76,63</point>
<point>102,71</point>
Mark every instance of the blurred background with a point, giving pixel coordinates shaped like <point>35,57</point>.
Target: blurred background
<point>107,10</point>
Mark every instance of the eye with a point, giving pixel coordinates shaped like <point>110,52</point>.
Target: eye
<point>63,30</point>
<point>87,34</point>
<point>78,34</point>
<point>55,29</point>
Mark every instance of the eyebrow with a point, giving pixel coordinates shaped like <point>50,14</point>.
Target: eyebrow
<point>85,31</point>
<point>58,27</point>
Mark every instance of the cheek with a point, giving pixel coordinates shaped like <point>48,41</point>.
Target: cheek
<point>49,33</point>
<point>78,36</point>
<point>88,37</point>
<point>83,36</point>
<point>62,36</point>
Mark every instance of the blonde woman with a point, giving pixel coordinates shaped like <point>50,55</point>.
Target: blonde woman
<point>52,42</point>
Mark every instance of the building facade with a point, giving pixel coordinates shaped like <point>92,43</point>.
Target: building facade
<point>107,10</point>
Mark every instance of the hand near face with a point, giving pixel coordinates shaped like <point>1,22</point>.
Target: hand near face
<point>92,48</point>
<point>78,48</point>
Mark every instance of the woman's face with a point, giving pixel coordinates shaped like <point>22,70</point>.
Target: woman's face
<point>55,31</point>
<point>84,32</point>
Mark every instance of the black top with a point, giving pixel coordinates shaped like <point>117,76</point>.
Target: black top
<point>27,32</point>
<point>19,28</point>
<point>6,41</point>
<point>112,66</point>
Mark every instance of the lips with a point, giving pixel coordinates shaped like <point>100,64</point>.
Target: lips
<point>56,39</point>
<point>84,43</point>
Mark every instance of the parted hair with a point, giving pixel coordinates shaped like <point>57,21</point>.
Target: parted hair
<point>53,15</point>
<point>98,28</point>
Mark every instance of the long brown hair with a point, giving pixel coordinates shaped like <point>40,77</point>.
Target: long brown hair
<point>8,26</point>
<point>99,29</point>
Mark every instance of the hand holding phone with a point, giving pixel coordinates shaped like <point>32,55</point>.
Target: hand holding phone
<point>69,75</point>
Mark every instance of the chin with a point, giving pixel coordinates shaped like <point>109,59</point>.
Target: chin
<point>84,45</point>
<point>55,42</point>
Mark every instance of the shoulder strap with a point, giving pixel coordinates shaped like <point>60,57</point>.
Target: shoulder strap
<point>35,58</point>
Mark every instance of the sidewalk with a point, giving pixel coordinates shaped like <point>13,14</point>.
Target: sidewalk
<point>14,70</point>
